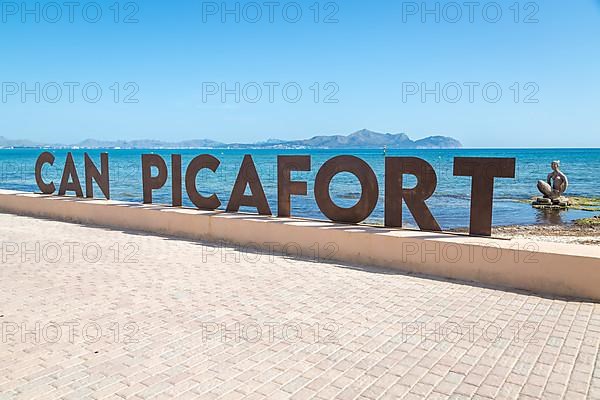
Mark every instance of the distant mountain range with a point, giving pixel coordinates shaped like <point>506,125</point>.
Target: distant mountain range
<point>16,143</point>
<point>361,139</point>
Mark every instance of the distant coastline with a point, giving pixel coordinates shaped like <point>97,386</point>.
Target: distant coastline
<point>360,139</point>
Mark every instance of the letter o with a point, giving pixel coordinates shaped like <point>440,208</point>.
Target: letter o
<point>368,183</point>
<point>86,255</point>
<point>446,254</point>
<point>497,334</point>
<point>286,250</point>
<point>57,89</point>
<point>297,334</point>
<point>257,89</point>
<point>257,336</point>
<point>46,250</point>
<point>486,95</point>
<point>57,12</point>
<point>457,89</point>
<point>247,251</point>
<point>58,333</point>
<point>88,339</point>
<point>457,12</point>
<point>258,12</point>
<point>286,89</point>
<point>497,253</point>
<point>85,92</point>
<point>485,12</point>
<point>98,12</point>
<point>298,11</point>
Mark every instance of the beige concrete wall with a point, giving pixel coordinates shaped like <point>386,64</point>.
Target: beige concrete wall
<point>544,268</point>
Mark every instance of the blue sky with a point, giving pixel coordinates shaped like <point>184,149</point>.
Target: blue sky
<point>358,65</point>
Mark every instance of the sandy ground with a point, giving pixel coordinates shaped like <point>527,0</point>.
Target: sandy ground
<point>546,233</point>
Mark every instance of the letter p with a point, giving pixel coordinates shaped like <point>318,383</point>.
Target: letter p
<point>9,8</point>
<point>409,89</point>
<point>9,249</point>
<point>209,89</point>
<point>149,181</point>
<point>9,329</point>
<point>9,89</point>
<point>409,8</point>
<point>209,8</point>
<point>209,330</point>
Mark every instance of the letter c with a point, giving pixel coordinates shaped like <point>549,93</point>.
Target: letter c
<point>201,162</point>
<point>44,158</point>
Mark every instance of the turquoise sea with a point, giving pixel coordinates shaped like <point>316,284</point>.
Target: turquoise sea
<point>450,203</point>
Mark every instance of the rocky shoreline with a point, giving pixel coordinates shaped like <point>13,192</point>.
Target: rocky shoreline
<point>583,231</point>
<point>580,232</point>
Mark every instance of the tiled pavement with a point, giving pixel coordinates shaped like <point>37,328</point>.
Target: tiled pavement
<point>96,313</point>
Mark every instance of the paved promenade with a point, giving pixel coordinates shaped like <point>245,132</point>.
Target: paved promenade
<point>95,313</point>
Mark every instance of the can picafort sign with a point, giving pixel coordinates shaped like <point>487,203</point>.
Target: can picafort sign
<point>483,172</point>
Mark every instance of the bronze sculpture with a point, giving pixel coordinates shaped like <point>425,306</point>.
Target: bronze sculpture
<point>553,188</point>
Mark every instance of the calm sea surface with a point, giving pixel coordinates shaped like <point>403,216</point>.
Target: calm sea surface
<point>450,203</point>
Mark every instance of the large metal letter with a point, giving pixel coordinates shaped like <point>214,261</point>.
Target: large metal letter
<point>70,179</point>
<point>44,158</point>
<point>395,193</point>
<point>248,176</point>
<point>369,187</point>
<point>285,186</point>
<point>199,163</point>
<point>483,171</point>
<point>150,182</point>
<point>176,191</point>
<point>102,179</point>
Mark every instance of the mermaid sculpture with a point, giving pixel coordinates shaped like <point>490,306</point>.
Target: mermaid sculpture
<point>554,187</point>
